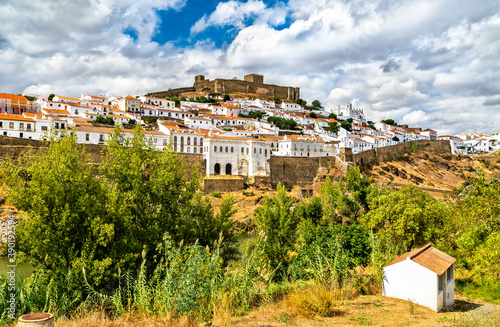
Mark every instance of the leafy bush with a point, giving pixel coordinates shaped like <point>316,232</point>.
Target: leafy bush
<point>327,253</point>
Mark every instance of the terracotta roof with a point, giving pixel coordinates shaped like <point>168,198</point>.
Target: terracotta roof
<point>13,98</point>
<point>15,117</point>
<point>131,98</point>
<point>70,98</point>
<point>428,257</point>
<point>56,111</point>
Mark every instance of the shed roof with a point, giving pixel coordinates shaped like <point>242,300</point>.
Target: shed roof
<point>429,257</point>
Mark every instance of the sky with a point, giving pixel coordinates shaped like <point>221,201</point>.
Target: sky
<point>427,63</point>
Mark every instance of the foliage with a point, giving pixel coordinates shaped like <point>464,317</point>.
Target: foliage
<point>51,96</point>
<point>332,127</point>
<point>227,97</point>
<point>300,102</point>
<point>278,219</point>
<point>327,253</point>
<point>256,114</point>
<point>105,120</point>
<point>132,122</point>
<point>371,125</point>
<point>395,138</point>
<point>312,114</point>
<point>317,105</point>
<point>283,123</point>
<point>346,200</point>
<point>347,126</point>
<point>389,121</point>
<point>407,216</point>
<point>332,116</point>
<point>102,220</point>
<point>29,97</point>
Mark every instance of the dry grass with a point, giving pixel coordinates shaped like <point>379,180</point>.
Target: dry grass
<point>316,301</point>
<point>100,319</point>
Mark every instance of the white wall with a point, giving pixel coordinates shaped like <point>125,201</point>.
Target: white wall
<point>408,280</point>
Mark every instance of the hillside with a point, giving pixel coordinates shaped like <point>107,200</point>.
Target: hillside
<point>433,172</point>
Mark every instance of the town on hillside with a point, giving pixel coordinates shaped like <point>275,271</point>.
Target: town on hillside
<point>235,135</point>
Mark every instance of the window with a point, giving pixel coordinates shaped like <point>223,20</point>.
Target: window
<point>194,150</point>
<point>28,127</point>
<point>265,152</point>
<point>254,150</point>
<point>220,148</point>
<point>440,282</point>
<point>21,126</point>
<point>201,150</point>
<point>215,149</point>
<point>195,141</point>
<point>247,151</point>
<point>1,124</point>
<point>155,140</point>
<point>164,142</point>
<point>260,151</point>
<point>57,125</point>
<point>449,274</point>
<point>188,149</point>
<point>44,128</point>
<point>242,150</point>
<point>226,149</point>
<point>188,140</point>
<point>201,142</point>
<point>20,135</point>
<point>87,137</point>
<point>101,138</point>
<point>11,125</point>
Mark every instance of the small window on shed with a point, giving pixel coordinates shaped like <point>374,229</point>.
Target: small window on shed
<point>440,283</point>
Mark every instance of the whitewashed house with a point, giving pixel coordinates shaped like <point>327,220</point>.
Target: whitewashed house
<point>424,276</point>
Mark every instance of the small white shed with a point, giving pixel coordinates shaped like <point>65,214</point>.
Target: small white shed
<point>424,276</point>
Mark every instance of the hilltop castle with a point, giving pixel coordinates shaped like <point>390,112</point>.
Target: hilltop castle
<point>252,83</point>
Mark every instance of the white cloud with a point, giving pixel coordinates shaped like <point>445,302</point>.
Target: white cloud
<point>418,62</point>
<point>235,13</point>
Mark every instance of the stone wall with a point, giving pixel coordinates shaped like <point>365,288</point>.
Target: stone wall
<point>223,184</point>
<point>391,152</point>
<point>12,147</point>
<point>171,92</point>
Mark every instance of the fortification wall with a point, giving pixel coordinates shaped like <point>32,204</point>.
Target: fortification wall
<point>223,184</point>
<point>171,93</point>
<point>12,147</point>
<point>391,152</point>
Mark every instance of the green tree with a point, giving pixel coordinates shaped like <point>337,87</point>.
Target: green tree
<point>408,217</point>
<point>227,97</point>
<point>332,116</point>
<point>346,125</point>
<point>278,219</point>
<point>389,121</point>
<point>317,105</point>
<point>51,96</point>
<point>182,99</point>
<point>395,138</point>
<point>332,127</point>
<point>132,121</point>
<point>312,115</point>
<point>101,220</point>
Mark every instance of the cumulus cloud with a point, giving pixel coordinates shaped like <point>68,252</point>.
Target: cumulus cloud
<point>236,13</point>
<point>415,61</point>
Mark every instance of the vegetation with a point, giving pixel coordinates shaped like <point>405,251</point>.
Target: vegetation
<point>389,121</point>
<point>105,120</point>
<point>135,236</point>
<point>332,127</point>
<point>317,105</point>
<point>395,138</point>
<point>51,96</point>
<point>283,123</point>
<point>300,102</point>
<point>256,114</point>
<point>29,97</point>
<point>371,125</point>
<point>312,114</point>
<point>346,125</point>
<point>332,116</point>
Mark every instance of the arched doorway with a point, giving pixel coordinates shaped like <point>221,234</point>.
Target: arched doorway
<point>229,169</point>
<point>217,169</point>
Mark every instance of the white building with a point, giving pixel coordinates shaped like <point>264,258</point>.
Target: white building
<point>457,146</point>
<point>291,106</point>
<point>349,112</point>
<point>302,146</point>
<point>424,276</point>
<point>236,156</point>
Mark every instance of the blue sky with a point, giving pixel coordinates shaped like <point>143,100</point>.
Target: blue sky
<point>420,62</point>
